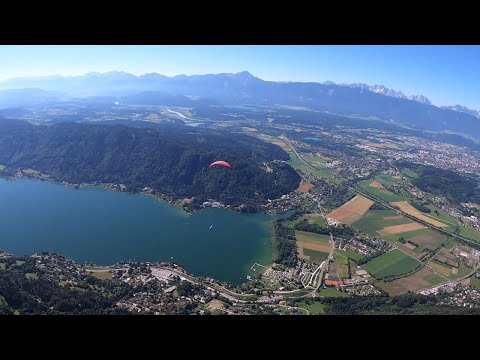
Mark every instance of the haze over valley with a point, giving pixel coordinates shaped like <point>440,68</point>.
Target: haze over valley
<point>229,194</point>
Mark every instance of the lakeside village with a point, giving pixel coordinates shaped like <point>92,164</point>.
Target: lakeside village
<point>171,288</point>
<point>166,288</point>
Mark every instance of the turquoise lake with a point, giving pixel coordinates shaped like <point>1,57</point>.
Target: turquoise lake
<point>104,227</point>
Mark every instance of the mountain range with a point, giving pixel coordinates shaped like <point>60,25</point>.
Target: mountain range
<point>381,89</point>
<point>243,88</point>
<point>463,109</point>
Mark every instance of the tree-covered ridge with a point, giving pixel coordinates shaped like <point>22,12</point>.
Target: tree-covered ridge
<point>458,188</point>
<point>42,294</point>
<point>171,159</point>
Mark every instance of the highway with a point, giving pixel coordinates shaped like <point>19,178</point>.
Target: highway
<point>295,151</point>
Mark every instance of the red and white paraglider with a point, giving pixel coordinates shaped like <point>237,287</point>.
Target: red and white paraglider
<point>223,163</point>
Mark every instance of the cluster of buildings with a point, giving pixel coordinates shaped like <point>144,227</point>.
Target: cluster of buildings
<point>362,290</point>
<point>455,294</point>
<point>441,155</point>
<point>364,245</point>
<point>291,201</point>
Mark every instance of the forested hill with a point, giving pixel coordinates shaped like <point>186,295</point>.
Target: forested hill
<point>172,159</point>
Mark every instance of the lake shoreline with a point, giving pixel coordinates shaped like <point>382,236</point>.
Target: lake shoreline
<point>121,228</point>
<point>155,194</point>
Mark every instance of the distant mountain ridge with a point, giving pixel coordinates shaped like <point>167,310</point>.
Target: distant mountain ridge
<point>243,88</point>
<point>463,109</point>
<point>382,89</point>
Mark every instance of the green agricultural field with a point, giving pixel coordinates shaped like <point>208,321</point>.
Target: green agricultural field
<point>306,236</point>
<point>319,220</point>
<point>315,308</point>
<point>348,254</point>
<point>19,262</point>
<point>339,265</point>
<point>315,256</point>
<point>463,271</point>
<point>386,179</point>
<point>475,282</point>
<point>297,294</point>
<point>2,266</point>
<point>434,279</point>
<point>332,293</point>
<point>442,215</point>
<point>469,233</point>
<point>418,250</point>
<point>406,194</point>
<point>315,160</point>
<point>409,234</point>
<point>373,220</point>
<point>298,164</point>
<point>450,243</point>
<point>319,163</point>
<point>382,194</point>
<point>409,173</point>
<point>392,263</point>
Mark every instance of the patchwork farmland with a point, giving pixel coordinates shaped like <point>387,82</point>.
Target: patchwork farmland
<point>421,279</point>
<point>313,247</point>
<point>352,210</point>
<point>410,210</point>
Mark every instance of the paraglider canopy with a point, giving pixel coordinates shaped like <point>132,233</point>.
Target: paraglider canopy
<point>223,163</point>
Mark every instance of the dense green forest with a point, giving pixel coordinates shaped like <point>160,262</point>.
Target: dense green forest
<point>408,304</point>
<point>458,188</point>
<point>171,159</point>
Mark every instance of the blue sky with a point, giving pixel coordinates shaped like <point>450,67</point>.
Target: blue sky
<point>447,75</point>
